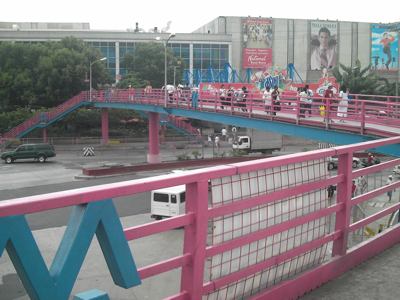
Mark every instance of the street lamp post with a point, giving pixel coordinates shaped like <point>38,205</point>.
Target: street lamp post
<point>179,64</point>
<point>174,74</point>
<point>165,66</point>
<point>90,75</point>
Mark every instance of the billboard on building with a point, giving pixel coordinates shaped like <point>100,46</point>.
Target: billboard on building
<point>323,45</point>
<point>384,48</point>
<point>257,58</point>
<point>257,40</point>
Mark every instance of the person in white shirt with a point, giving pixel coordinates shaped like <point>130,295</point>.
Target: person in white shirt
<point>388,182</point>
<point>267,99</point>
<point>170,91</point>
<point>309,100</point>
<point>343,105</point>
<point>303,102</point>
<point>223,133</point>
<point>362,185</point>
<point>217,142</point>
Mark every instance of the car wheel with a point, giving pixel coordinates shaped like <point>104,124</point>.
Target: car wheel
<point>8,160</point>
<point>42,158</point>
<point>331,166</point>
<point>354,164</point>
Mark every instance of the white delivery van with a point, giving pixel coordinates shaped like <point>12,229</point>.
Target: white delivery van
<point>168,202</point>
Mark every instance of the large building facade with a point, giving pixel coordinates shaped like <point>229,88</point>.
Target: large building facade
<point>267,43</point>
<point>245,43</point>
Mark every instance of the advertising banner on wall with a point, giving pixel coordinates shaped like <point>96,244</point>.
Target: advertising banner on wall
<point>257,58</point>
<point>323,45</point>
<point>384,48</point>
<point>257,41</point>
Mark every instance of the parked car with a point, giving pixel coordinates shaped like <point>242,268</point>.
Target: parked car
<point>39,152</point>
<point>333,163</point>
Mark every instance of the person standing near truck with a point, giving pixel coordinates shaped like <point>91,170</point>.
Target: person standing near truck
<point>223,133</point>
<point>217,142</point>
<point>389,181</point>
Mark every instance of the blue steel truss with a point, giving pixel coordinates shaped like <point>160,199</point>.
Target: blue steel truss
<point>98,218</point>
<point>227,74</point>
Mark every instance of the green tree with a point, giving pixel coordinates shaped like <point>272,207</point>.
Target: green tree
<point>46,74</point>
<point>388,88</point>
<point>132,79</point>
<point>146,64</point>
<point>359,80</point>
<point>8,120</point>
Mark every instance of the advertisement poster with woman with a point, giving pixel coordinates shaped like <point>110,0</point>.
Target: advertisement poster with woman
<point>384,48</point>
<point>323,45</point>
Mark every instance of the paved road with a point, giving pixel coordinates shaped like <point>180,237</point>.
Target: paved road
<point>27,178</point>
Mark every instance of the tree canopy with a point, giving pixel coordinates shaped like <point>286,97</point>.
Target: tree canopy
<point>146,66</point>
<point>361,81</point>
<point>46,74</point>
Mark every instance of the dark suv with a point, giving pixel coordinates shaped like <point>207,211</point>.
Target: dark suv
<point>39,152</point>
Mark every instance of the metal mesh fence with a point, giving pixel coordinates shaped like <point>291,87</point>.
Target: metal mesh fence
<point>230,226</point>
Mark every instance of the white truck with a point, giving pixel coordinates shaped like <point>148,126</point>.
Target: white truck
<point>258,141</point>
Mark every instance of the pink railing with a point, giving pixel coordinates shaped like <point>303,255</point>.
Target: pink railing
<point>267,229</point>
<point>184,124</point>
<point>46,116</point>
<point>362,115</point>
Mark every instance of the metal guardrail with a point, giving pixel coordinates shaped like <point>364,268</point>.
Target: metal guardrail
<point>266,230</point>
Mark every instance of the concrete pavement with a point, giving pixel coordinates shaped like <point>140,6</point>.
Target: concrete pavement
<point>375,279</point>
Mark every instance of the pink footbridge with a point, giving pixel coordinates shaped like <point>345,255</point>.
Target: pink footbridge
<point>264,229</point>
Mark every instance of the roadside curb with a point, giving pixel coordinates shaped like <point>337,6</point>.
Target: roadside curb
<point>98,172</point>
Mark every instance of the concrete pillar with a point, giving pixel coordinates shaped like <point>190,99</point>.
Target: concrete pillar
<point>162,134</point>
<point>154,143</point>
<point>104,126</point>
<point>44,132</point>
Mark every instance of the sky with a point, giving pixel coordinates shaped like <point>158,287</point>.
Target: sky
<point>187,16</point>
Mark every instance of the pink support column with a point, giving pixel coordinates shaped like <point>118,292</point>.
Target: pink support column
<point>104,126</point>
<point>195,239</point>
<point>362,118</point>
<point>44,131</point>
<point>154,143</point>
<point>344,197</point>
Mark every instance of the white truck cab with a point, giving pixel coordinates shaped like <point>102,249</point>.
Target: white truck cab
<point>242,143</point>
<point>263,142</point>
<point>168,202</point>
